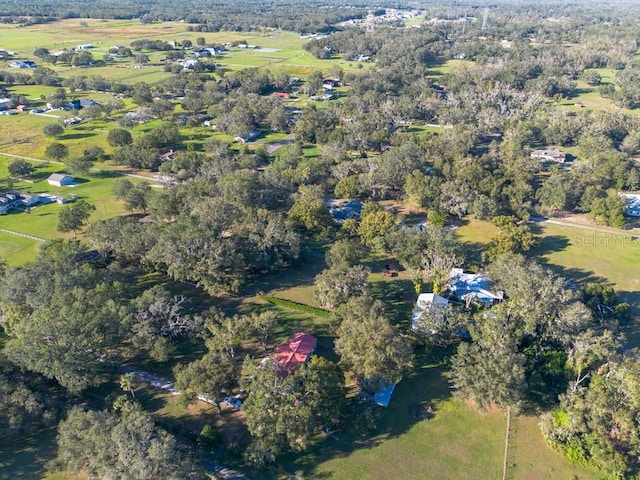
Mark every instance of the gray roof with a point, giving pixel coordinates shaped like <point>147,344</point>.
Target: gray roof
<point>58,177</point>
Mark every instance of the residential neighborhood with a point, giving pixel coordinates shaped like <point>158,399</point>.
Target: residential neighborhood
<point>319,240</point>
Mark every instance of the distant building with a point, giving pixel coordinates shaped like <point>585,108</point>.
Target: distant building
<point>250,136</point>
<point>14,199</point>
<point>168,156</point>
<point>206,52</point>
<point>85,46</point>
<point>22,64</point>
<point>79,104</point>
<point>351,209</point>
<point>60,180</point>
<point>550,155</point>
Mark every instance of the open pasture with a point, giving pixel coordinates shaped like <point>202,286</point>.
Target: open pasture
<point>94,187</point>
<point>277,50</point>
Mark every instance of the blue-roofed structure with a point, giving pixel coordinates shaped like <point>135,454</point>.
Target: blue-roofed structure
<point>383,396</point>
<point>470,286</point>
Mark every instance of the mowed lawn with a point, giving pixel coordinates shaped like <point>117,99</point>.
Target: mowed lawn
<point>42,221</point>
<point>579,254</point>
<point>16,250</point>
<point>456,443</point>
<point>530,458</point>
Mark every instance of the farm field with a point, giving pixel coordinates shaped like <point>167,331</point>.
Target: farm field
<point>277,50</point>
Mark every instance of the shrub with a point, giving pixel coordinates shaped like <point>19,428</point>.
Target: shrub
<point>301,307</point>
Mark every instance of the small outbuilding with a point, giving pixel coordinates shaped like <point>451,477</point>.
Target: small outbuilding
<point>60,180</point>
<point>250,136</point>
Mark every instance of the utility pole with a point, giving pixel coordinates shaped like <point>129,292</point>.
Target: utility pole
<point>484,19</point>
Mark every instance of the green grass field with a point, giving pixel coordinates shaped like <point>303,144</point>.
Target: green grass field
<point>283,50</point>
<point>42,221</point>
<point>456,443</point>
<point>16,250</point>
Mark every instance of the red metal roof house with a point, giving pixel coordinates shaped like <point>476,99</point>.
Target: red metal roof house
<point>295,352</point>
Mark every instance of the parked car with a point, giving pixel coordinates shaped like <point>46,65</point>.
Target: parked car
<point>232,401</point>
<point>37,110</point>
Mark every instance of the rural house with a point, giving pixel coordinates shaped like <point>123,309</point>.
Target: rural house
<point>473,286</point>
<point>295,352</point>
<point>14,199</point>
<point>633,205</point>
<point>352,209</point>
<point>247,137</point>
<point>550,155</point>
<point>22,64</point>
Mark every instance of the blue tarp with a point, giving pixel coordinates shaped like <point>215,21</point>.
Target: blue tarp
<point>383,396</point>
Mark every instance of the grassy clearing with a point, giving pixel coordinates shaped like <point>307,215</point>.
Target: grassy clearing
<point>446,67</point>
<point>42,222</point>
<point>532,459</point>
<point>577,253</point>
<point>17,251</point>
<point>456,443</point>
<point>581,255</point>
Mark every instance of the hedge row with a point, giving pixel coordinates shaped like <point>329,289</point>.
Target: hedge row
<point>296,306</point>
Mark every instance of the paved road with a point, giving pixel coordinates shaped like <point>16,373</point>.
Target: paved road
<point>272,147</point>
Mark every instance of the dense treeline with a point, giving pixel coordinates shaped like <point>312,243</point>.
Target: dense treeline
<point>245,16</point>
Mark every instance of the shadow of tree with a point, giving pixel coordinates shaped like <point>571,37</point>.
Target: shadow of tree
<point>549,244</point>
<point>26,458</point>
